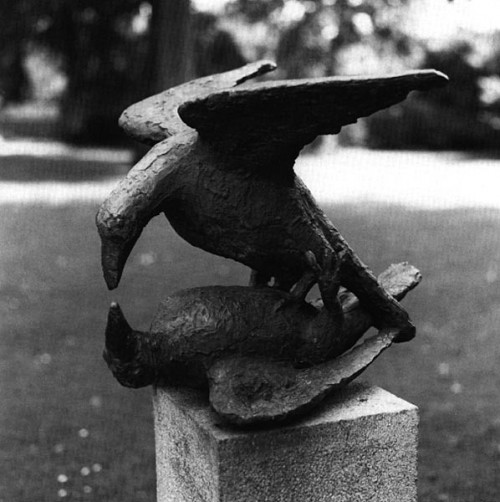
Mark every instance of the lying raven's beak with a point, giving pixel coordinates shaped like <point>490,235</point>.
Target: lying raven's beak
<point>119,336</point>
<point>126,351</point>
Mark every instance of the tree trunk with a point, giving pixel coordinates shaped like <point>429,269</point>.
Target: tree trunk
<point>170,49</point>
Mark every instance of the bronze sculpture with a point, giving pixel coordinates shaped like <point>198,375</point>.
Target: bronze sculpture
<point>254,347</point>
<point>228,185</point>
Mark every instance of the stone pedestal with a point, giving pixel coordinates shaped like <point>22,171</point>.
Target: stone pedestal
<point>360,445</point>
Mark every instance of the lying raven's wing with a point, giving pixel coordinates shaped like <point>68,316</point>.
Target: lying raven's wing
<point>267,123</point>
<point>249,391</point>
<point>155,118</point>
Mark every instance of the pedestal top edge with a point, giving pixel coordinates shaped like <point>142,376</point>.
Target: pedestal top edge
<point>356,401</point>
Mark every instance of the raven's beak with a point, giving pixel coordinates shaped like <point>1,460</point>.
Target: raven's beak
<point>119,343</point>
<point>130,207</point>
<point>119,229</point>
<point>114,255</point>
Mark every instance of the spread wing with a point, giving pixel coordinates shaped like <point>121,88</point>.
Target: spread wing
<point>269,122</point>
<point>249,391</point>
<point>155,118</point>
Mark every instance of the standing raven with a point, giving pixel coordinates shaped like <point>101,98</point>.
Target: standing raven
<point>222,173</point>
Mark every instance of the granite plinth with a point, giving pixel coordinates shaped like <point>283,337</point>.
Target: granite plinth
<point>359,445</point>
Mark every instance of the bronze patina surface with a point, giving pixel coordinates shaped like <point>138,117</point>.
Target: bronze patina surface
<point>265,354</point>
<point>221,170</point>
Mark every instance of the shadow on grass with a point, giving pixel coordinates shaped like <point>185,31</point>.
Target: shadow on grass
<point>479,155</point>
<point>31,168</point>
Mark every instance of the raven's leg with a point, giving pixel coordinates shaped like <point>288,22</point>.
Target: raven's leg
<point>322,337</point>
<point>354,275</point>
<point>357,278</point>
<point>299,290</point>
<point>308,280</point>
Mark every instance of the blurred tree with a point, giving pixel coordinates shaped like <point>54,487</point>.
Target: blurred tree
<point>97,47</point>
<point>101,53</point>
<point>490,83</point>
<point>214,49</point>
<point>170,44</point>
<point>449,118</point>
<point>312,34</point>
<point>113,52</point>
<point>455,61</point>
<point>14,22</point>
<point>117,51</point>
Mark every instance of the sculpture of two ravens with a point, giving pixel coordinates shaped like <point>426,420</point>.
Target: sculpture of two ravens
<point>221,170</point>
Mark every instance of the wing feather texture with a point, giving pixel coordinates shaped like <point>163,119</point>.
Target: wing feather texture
<point>222,130</point>
<point>267,121</point>
<point>155,118</point>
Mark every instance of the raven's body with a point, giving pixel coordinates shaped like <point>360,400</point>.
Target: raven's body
<point>228,185</point>
<point>264,221</point>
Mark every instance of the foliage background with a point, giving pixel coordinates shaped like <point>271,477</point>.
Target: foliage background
<point>92,58</point>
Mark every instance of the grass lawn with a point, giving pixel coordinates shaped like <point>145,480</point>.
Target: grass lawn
<point>68,431</point>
